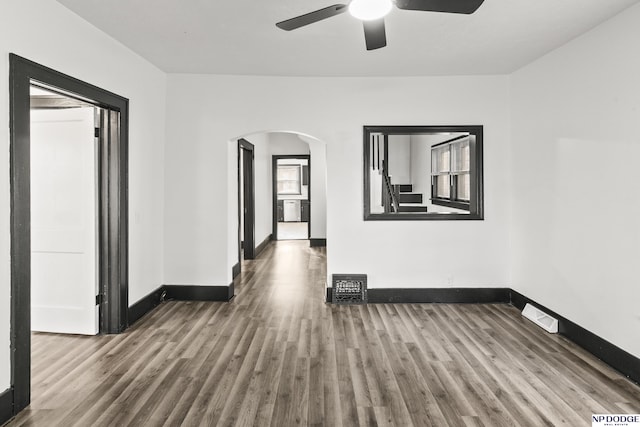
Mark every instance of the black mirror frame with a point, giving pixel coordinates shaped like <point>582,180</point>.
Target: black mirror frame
<point>477,184</point>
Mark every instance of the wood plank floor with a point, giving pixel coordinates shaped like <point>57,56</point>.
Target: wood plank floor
<point>278,355</point>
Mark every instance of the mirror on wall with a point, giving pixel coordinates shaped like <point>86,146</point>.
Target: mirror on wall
<point>423,173</point>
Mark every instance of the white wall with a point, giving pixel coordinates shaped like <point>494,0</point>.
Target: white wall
<point>208,111</point>
<point>375,186</point>
<point>263,184</point>
<point>68,44</point>
<point>399,160</point>
<point>287,143</point>
<point>421,165</point>
<point>576,145</point>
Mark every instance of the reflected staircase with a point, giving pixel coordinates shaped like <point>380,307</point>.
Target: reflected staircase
<point>398,197</point>
<point>408,201</point>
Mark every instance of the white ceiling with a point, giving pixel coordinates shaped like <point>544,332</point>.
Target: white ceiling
<point>240,36</point>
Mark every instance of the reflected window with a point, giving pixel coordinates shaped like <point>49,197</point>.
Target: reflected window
<point>450,173</point>
<point>289,179</point>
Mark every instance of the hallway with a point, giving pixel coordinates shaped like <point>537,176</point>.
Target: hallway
<point>278,355</point>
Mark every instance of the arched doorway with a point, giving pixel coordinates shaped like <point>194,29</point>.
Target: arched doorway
<point>265,145</point>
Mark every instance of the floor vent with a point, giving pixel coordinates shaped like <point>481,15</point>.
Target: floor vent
<point>349,289</point>
<point>540,318</point>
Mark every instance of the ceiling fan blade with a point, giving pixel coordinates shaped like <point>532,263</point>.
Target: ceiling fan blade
<point>449,6</point>
<point>310,18</point>
<point>374,34</point>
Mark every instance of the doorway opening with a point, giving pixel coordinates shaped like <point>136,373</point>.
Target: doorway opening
<point>307,212</point>
<point>291,196</point>
<point>89,233</point>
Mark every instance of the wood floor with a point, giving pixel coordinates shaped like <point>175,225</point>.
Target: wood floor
<point>278,355</point>
<point>293,230</point>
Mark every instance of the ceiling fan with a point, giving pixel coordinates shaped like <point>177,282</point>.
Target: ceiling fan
<point>372,12</point>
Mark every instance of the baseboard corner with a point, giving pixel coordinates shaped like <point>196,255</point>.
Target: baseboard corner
<point>235,271</point>
<point>6,406</point>
<point>200,293</point>
<point>262,246</point>
<point>145,305</point>
<point>317,243</point>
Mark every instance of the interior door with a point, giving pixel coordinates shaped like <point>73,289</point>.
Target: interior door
<point>64,225</point>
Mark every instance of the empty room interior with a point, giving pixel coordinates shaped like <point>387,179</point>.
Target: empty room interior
<point>269,213</point>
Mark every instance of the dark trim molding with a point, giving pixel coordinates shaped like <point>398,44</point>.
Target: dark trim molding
<point>246,175</point>
<point>439,295</point>
<point>627,364</point>
<point>261,247</point>
<point>316,243</point>
<point>476,206</point>
<point>113,209</point>
<point>235,271</point>
<point>199,293</point>
<point>6,406</point>
<point>435,295</point>
<point>145,305</point>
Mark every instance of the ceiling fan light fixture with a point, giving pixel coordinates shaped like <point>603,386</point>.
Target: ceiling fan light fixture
<point>368,10</point>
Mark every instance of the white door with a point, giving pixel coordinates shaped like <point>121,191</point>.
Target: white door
<point>64,226</point>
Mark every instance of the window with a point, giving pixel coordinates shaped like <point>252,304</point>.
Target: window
<point>289,181</point>
<point>451,173</point>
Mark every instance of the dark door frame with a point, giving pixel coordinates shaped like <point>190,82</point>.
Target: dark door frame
<point>112,211</point>
<point>274,189</point>
<point>246,170</point>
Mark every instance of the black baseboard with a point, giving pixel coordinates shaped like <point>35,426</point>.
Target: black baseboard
<point>435,295</point>
<point>625,363</point>
<point>145,305</point>
<point>6,406</point>
<point>178,293</point>
<point>235,271</point>
<point>199,293</point>
<point>316,243</point>
<point>439,295</point>
<point>263,245</point>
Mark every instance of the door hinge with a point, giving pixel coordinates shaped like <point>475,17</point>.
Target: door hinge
<point>97,133</point>
<point>99,299</point>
